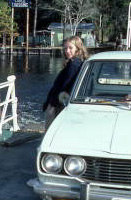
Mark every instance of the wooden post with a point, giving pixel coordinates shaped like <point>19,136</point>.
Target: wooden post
<point>27,32</point>
<point>35,18</point>
<point>101,30</point>
<point>26,63</point>
<point>12,30</point>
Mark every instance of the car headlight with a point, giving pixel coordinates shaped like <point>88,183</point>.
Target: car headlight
<point>51,163</point>
<point>75,166</point>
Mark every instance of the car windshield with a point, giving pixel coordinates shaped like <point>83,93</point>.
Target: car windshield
<point>104,82</point>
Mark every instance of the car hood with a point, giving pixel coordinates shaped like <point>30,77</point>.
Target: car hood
<point>81,130</point>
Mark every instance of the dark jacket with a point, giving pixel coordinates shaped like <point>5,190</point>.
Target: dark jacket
<point>64,82</point>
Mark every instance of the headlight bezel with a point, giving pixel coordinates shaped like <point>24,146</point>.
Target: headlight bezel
<point>43,163</point>
<point>76,158</point>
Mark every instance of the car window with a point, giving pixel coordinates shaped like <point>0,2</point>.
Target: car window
<point>115,73</point>
<point>108,79</point>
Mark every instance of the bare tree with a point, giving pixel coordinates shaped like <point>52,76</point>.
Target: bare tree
<point>74,11</point>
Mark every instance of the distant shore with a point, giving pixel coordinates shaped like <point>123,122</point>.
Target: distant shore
<point>49,50</point>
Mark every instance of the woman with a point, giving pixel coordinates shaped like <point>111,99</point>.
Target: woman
<point>75,54</point>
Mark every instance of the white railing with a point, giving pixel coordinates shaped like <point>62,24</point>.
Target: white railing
<point>11,99</point>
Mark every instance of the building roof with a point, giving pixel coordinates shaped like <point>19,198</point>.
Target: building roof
<point>81,26</point>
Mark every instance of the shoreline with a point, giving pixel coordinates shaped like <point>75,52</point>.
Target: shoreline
<point>49,50</point>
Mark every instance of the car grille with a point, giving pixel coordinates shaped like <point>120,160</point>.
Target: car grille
<point>108,170</point>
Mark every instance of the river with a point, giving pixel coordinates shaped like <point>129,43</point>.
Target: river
<point>34,77</point>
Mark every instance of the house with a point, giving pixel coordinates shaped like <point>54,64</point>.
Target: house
<point>84,30</point>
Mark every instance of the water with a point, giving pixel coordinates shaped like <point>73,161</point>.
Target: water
<point>34,77</point>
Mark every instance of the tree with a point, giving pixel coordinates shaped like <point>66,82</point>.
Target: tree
<point>73,11</point>
<point>6,23</point>
<point>119,15</point>
<point>36,6</point>
<point>109,16</point>
<point>113,17</point>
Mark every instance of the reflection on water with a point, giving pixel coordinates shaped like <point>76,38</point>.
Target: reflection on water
<point>34,77</point>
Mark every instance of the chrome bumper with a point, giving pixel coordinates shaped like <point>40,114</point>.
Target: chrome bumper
<point>98,191</point>
<point>57,191</point>
<point>86,191</point>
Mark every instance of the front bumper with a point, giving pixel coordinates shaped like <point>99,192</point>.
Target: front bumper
<point>82,190</point>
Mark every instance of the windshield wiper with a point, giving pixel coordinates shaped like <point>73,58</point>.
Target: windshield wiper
<point>123,104</point>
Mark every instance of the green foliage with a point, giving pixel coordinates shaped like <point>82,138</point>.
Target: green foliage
<point>3,3</point>
<point>6,23</point>
<point>113,14</point>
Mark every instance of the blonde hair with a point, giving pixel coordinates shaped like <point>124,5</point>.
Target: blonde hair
<point>81,50</point>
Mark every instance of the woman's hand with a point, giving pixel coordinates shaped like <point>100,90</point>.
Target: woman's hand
<point>63,98</point>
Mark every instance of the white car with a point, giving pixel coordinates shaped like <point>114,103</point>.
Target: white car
<point>86,152</point>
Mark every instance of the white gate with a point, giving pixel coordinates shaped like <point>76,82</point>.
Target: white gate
<point>11,99</point>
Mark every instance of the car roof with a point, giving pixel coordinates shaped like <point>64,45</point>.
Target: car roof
<point>111,55</point>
